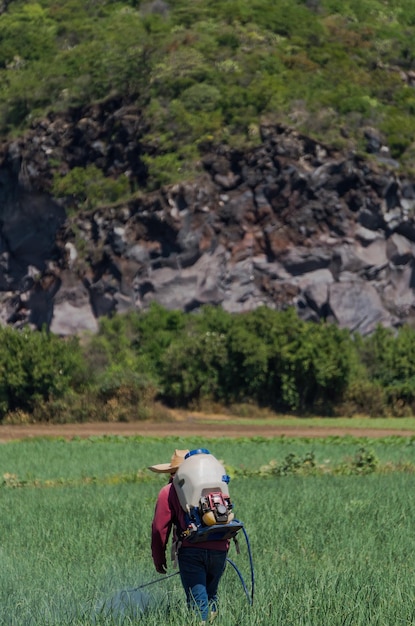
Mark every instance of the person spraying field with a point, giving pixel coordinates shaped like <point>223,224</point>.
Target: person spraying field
<point>196,506</point>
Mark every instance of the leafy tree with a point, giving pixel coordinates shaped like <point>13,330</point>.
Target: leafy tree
<point>247,370</point>
<point>112,345</point>
<point>191,368</point>
<point>155,330</point>
<point>27,34</point>
<point>390,366</point>
<point>35,367</point>
<point>307,363</point>
<point>201,97</point>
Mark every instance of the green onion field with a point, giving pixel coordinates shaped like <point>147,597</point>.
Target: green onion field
<point>329,522</point>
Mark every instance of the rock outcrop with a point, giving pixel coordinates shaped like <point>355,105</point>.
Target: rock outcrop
<point>287,223</point>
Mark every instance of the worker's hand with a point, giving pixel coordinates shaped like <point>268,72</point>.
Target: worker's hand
<point>161,568</point>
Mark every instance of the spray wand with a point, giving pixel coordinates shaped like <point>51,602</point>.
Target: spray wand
<point>153,582</point>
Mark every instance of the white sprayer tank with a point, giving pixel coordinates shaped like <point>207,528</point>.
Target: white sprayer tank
<point>199,474</point>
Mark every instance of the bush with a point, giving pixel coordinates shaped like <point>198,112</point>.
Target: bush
<point>364,397</point>
<point>192,368</point>
<point>27,34</point>
<point>36,367</point>
<point>201,97</point>
<point>308,364</point>
<point>88,187</point>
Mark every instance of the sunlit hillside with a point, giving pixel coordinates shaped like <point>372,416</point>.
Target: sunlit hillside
<point>212,71</point>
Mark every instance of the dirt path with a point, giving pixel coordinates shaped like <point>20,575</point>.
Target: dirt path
<point>186,426</point>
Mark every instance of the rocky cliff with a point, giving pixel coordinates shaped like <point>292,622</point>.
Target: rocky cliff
<point>288,223</point>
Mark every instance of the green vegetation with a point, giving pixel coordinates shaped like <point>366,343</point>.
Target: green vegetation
<point>35,367</point>
<point>116,460</point>
<point>211,72</point>
<point>89,187</point>
<point>327,549</point>
<point>143,361</point>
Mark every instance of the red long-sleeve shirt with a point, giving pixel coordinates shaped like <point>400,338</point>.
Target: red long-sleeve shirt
<point>168,513</point>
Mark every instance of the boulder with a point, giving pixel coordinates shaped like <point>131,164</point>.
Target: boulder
<point>357,305</point>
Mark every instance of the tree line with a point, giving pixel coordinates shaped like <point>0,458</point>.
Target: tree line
<point>140,362</point>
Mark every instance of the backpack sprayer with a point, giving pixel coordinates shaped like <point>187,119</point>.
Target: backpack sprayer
<point>201,485</point>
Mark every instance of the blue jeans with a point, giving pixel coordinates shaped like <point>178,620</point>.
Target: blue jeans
<point>200,572</point>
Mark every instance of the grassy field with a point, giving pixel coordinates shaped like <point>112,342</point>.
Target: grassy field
<point>113,459</point>
<point>327,549</point>
<point>361,423</point>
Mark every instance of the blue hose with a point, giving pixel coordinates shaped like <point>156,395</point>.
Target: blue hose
<point>250,596</point>
<point>251,564</point>
<point>241,579</point>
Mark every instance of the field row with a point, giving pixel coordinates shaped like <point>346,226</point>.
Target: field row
<point>106,459</point>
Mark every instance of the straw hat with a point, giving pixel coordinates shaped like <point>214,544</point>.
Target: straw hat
<point>167,468</point>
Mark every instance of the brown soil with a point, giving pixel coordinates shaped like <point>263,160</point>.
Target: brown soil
<point>181,424</point>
